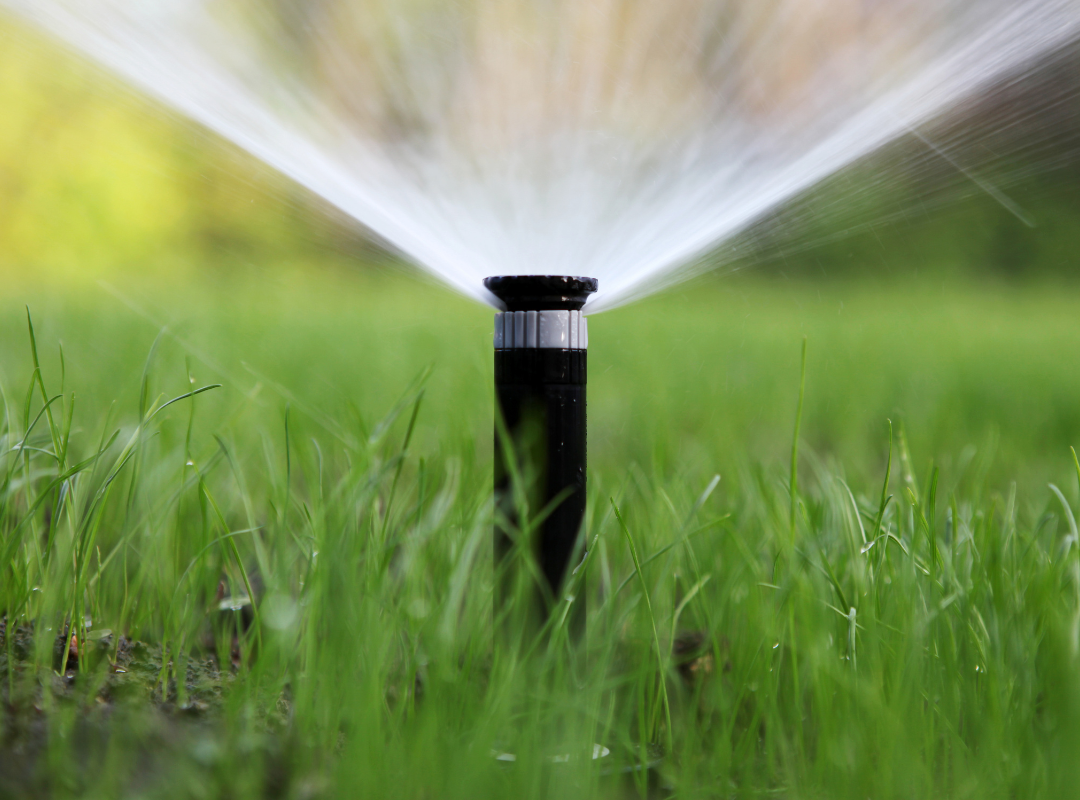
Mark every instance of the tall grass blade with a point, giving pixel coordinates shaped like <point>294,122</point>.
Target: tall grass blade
<point>794,480</point>
<point>661,662</point>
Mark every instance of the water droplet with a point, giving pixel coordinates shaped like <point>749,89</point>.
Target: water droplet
<point>234,603</point>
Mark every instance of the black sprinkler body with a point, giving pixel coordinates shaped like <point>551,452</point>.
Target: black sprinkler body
<point>541,345</point>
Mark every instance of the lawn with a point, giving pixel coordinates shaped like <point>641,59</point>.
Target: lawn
<point>904,622</point>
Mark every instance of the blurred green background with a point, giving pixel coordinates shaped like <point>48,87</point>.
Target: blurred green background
<point>925,300</point>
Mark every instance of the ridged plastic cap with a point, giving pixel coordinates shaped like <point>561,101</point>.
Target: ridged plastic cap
<point>541,292</point>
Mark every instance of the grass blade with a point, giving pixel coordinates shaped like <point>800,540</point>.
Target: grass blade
<point>660,660</point>
<point>794,482</point>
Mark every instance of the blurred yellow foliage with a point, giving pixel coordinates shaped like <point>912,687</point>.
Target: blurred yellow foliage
<point>95,179</point>
<point>83,182</point>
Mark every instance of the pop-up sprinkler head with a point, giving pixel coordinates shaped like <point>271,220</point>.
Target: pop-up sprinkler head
<point>541,345</point>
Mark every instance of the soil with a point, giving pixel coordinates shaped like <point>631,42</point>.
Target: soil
<point>106,682</point>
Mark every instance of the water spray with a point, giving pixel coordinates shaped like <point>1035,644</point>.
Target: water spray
<point>541,355</point>
<point>630,138</point>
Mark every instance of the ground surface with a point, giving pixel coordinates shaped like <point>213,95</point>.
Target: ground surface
<point>911,629</point>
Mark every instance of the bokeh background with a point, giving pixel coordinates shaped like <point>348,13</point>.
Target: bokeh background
<point>939,293</point>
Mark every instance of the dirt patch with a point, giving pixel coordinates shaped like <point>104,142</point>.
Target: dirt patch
<point>111,713</point>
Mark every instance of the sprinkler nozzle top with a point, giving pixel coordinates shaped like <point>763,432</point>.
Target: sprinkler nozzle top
<point>541,292</point>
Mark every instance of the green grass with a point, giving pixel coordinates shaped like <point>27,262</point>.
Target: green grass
<point>901,621</point>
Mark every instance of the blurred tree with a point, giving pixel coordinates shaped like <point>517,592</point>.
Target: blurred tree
<point>94,177</point>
